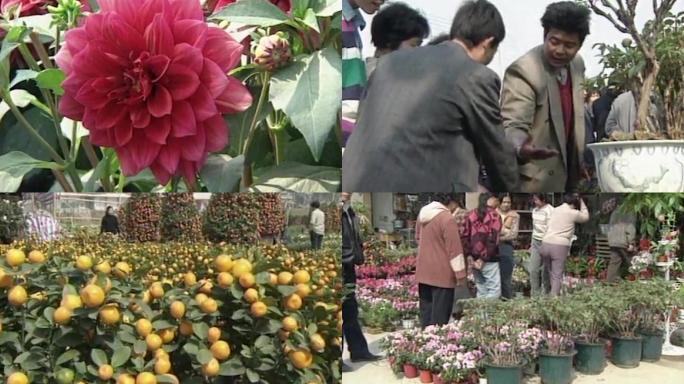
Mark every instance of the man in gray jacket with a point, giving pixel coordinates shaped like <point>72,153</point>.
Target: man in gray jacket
<point>621,237</point>
<point>431,115</point>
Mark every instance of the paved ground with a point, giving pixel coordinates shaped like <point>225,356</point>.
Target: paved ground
<point>666,371</point>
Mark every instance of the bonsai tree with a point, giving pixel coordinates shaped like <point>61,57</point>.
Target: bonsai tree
<point>622,14</point>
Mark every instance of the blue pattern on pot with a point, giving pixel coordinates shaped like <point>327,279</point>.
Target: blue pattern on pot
<point>640,166</point>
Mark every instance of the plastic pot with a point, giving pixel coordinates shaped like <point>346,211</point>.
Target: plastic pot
<point>626,351</point>
<point>556,369</point>
<point>425,376</point>
<point>410,371</point>
<point>652,346</point>
<point>503,375</point>
<point>590,358</point>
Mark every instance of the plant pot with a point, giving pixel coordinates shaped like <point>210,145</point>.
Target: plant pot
<point>626,351</point>
<point>408,324</point>
<point>410,371</point>
<point>425,376</point>
<point>639,166</point>
<point>652,346</point>
<point>530,369</point>
<point>556,369</point>
<point>590,358</point>
<point>503,375</point>
<point>436,379</point>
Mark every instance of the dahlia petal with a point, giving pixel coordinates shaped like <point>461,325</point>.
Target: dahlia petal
<point>193,146</point>
<point>203,104</point>
<point>183,9</point>
<point>158,130</point>
<point>124,36</point>
<point>183,121</point>
<point>63,58</point>
<point>182,82</point>
<point>162,176</point>
<point>71,108</point>
<point>128,166</point>
<point>73,83</point>
<point>216,132</point>
<point>159,37</point>
<point>236,97</point>
<point>110,115</point>
<point>222,49</point>
<point>213,78</point>
<point>101,138</point>
<point>158,65</point>
<point>192,32</point>
<point>160,103</point>
<point>106,84</point>
<point>169,156</point>
<point>188,169</point>
<point>140,117</point>
<point>188,56</point>
<point>123,132</point>
<point>90,119</point>
<point>91,96</point>
<point>143,151</point>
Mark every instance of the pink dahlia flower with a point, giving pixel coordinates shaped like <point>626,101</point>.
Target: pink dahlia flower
<point>148,78</point>
<point>35,7</point>
<point>216,5</point>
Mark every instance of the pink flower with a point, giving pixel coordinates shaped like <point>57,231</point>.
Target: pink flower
<point>35,7</point>
<point>216,5</point>
<point>148,78</point>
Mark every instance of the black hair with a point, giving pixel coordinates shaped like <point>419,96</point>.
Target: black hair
<point>541,196</point>
<point>439,39</point>
<point>108,208</point>
<point>445,198</point>
<point>315,204</point>
<point>572,199</point>
<point>395,23</point>
<point>476,21</point>
<point>482,205</point>
<point>567,16</point>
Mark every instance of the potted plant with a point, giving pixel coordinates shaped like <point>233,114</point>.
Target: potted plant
<point>622,309</point>
<point>558,318</point>
<point>657,299</point>
<point>496,326</point>
<point>591,322</point>
<point>650,62</point>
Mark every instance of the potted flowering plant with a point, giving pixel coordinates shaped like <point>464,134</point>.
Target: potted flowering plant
<point>557,318</point>
<point>623,311</point>
<point>177,95</point>
<point>649,64</point>
<point>497,327</point>
<point>657,297</point>
<point>592,321</point>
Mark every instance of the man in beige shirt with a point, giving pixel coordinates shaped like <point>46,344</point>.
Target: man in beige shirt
<point>316,225</point>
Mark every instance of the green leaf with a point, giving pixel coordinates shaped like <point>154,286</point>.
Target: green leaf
<point>221,173</point>
<point>51,79</point>
<point>252,376</point>
<point>13,167</point>
<point>204,356</point>
<point>48,313</point>
<point>67,356</point>
<point>299,7</point>
<point>139,347</point>
<point>42,24</point>
<point>309,92</point>
<point>167,379</point>
<point>232,367</point>
<point>299,178</point>
<point>327,7</point>
<point>11,41</point>
<point>201,330</point>
<point>251,12</point>
<point>23,75</point>
<point>121,356</point>
<point>163,324</point>
<point>310,20</point>
<point>21,98</point>
<point>286,290</point>
<point>99,357</point>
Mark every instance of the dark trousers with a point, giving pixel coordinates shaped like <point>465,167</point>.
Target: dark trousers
<point>316,240</point>
<point>435,304</point>
<point>506,265</point>
<point>618,258</point>
<point>351,329</point>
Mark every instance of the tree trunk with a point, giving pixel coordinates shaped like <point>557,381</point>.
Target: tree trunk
<point>645,98</point>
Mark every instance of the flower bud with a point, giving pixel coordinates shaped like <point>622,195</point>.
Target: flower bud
<point>272,52</point>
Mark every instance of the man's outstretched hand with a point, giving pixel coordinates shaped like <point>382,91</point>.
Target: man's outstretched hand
<point>529,152</point>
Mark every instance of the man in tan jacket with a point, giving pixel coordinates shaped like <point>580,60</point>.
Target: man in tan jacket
<point>542,105</point>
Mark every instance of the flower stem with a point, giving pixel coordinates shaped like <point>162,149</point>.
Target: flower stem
<point>94,162</point>
<point>247,179</point>
<point>40,49</point>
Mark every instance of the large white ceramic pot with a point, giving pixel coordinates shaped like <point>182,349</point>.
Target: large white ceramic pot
<point>640,166</point>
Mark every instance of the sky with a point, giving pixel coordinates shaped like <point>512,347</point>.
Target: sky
<point>523,28</point>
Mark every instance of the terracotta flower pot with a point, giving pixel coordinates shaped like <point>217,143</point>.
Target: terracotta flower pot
<point>437,379</point>
<point>425,376</point>
<point>410,371</point>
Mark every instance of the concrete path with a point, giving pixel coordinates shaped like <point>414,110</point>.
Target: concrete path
<point>667,371</point>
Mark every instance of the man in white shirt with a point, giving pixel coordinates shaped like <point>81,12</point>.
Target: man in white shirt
<point>316,225</point>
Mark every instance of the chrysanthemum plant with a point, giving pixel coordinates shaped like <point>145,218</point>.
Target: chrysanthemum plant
<point>168,95</point>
